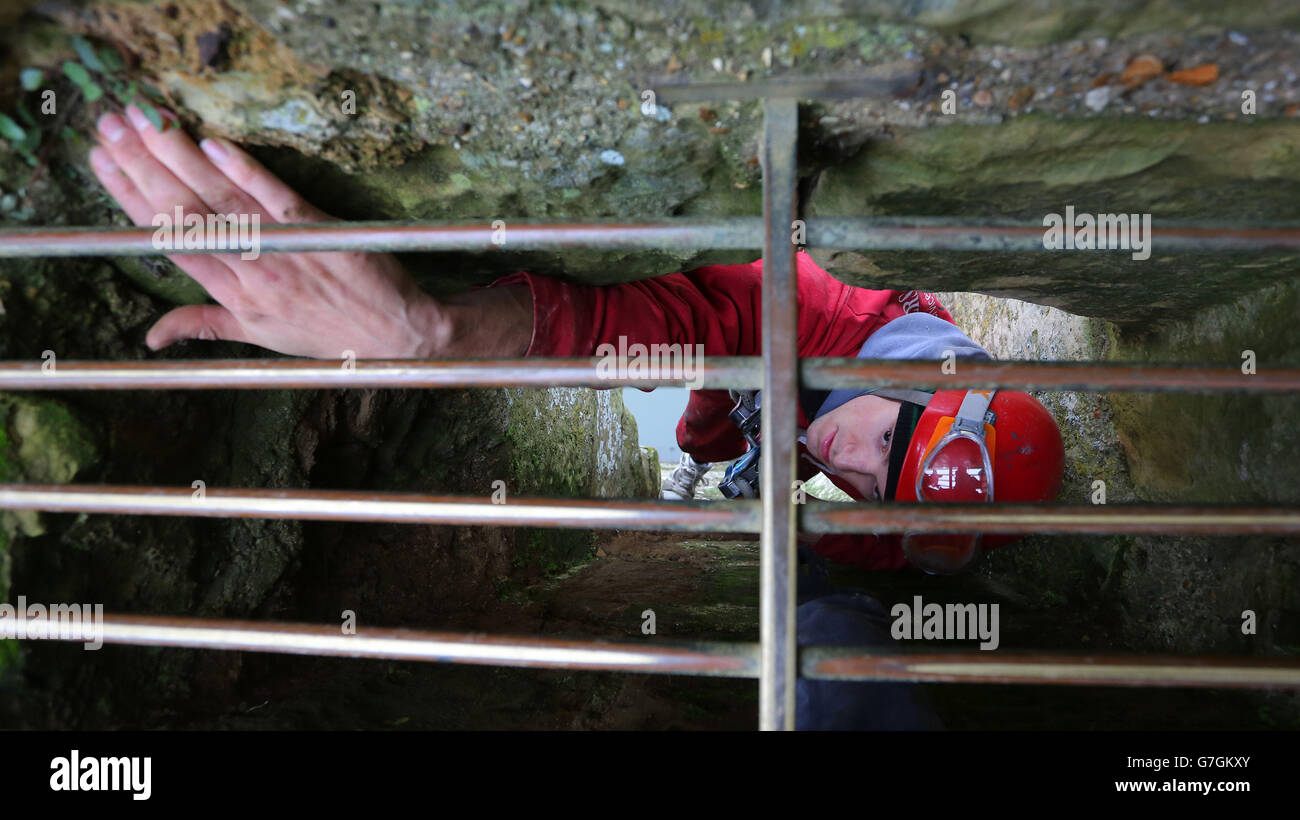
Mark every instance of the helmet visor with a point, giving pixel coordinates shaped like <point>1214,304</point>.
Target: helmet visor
<point>957,469</point>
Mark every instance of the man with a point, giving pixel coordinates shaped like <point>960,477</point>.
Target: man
<point>877,445</point>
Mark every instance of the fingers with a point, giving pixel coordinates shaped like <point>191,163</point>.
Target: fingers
<point>173,149</point>
<point>279,200</point>
<point>209,322</point>
<point>120,187</point>
<point>213,274</point>
<point>158,188</point>
<point>155,182</point>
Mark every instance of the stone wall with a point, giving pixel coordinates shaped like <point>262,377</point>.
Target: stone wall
<point>515,110</point>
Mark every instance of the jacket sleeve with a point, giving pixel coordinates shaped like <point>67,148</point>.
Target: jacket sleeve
<point>717,306</point>
<point>717,309</point>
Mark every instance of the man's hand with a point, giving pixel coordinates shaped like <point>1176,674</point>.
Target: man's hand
<point>301,304</point>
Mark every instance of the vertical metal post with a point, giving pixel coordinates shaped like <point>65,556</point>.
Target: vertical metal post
<point>777,669</point>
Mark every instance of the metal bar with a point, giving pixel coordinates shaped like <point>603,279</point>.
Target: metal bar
<point>407,508</point>
<point>266,374</point>
<point>776,683</point>
<point>908,233</point>
<point>716,659</point>
<point>1026,519</point>
<point>833,373</point>
<point>743,372</point>
<point>735,660</point>
<point>734,516</point>
<point>736,233</point>
<point>850,663</point>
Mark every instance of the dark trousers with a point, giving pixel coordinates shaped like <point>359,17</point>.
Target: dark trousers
<point>828,617</point>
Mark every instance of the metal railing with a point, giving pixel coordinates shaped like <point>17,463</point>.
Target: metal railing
<point>775,660</point>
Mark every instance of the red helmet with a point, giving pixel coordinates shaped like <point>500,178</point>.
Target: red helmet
<point>977,445</point>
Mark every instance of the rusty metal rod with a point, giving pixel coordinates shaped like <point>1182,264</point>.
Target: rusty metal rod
<point>780,314</point>
<point>744,372</point>
<point>908,233</point>
<point>736,660</point>
<point>266,374</point>
<point>851,663</point>
<point>833,373</point>
<point>735,233</point>
<point>595,513</point>
<point>407,508</point>
<point>1026,519</point>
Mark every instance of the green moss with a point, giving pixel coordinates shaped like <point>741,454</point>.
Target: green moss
<point>8,467</point>
<point>41,442</point>
<point>1228,447</point>
<point>11,657</point>
<point>161,277</point>
<point>735,584</point>
<point>1035,164</point>
<point>551,551</point>
<point>54,445</point>
<point>8,473</point>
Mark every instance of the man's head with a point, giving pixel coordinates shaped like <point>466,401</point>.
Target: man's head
<point>855,440</point>
<point>871,438</point>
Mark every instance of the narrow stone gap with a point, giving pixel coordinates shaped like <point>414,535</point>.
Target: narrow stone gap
<point>471,113</point>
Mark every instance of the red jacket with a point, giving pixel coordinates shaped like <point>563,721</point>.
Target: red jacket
<point>718,306</point>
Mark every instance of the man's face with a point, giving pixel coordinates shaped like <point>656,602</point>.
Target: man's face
<point>854,440</point>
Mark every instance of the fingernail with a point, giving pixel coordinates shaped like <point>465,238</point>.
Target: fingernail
<point>138,119</point>
<point>214,149</point>
<point>112,127</point>
<point>101,160</point>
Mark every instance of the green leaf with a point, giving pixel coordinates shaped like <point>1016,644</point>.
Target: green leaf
<point>24,114</point>
<point>33,139</point>
<point>77,73</point>
<point>27,155</point>
<point>151,114</point>
<point>31,78</point>
<point>130,90</point>
<point>69,134</point>
<point>151,91</point>
<point>109,57</point>
<point>87,54</point>
<point>92,92</point>
<point>11,130</point>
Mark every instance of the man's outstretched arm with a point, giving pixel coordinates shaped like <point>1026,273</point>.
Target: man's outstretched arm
<point>300,304</point>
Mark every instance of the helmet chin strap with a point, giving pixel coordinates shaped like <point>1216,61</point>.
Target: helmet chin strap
<point>974,412</point>
<point>972,415</point>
